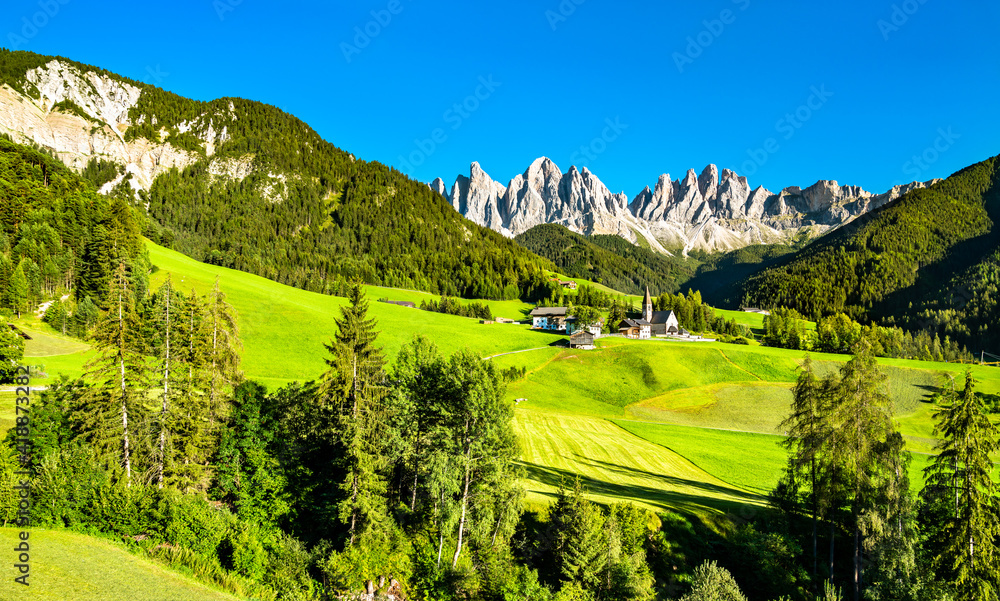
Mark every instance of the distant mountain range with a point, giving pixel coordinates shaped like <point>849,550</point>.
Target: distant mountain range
<point>711,211</point>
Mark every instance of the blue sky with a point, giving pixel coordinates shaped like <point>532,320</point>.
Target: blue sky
<point>785,93</point>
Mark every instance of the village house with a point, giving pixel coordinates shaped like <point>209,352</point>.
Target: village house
<point>635,328</point>
<point>552,318</point>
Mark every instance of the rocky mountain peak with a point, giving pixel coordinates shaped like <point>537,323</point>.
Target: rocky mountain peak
<point>711,211</point>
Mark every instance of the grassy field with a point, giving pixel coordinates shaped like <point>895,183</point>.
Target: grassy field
<point>719,406</point>
<point>73,567</point>
<point>284,329</point>
<point>615,466</point>
<point>668,424</point>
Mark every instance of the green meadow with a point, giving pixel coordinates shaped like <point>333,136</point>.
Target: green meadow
<point>66,566</point>
<point>667,424</point>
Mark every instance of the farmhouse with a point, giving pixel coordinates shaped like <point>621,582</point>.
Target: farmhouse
<point>552,318</point>
<point>661,323</point>
<point>635,328</point>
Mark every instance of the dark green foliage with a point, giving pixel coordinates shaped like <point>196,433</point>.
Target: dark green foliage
<point>58,233</point>
<point>452,306</point>
<point>717,274</point>
<point>99,172</point>
<point>926,261</point>
<point>609,260</point>
<point>964,540</point>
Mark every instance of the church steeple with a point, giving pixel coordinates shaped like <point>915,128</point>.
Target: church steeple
<point>647,306</point>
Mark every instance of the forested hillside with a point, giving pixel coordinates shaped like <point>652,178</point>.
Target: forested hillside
<point>609,260</point>
<point>927,261</point>
<point>298,209</point>
<point>57,233</point>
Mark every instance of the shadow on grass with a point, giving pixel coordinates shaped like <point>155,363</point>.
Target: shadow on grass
<point>668,492</point>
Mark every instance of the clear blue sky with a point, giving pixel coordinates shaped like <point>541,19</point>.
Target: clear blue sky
<point>687,82</point>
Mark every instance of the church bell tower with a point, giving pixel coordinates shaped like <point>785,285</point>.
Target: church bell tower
<point>647,306</point>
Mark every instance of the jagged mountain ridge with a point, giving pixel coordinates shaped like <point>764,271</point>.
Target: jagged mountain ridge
<point>711,211</point>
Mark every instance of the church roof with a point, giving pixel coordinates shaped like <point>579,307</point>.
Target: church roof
<point>661,316</point>
<point>648,300</point>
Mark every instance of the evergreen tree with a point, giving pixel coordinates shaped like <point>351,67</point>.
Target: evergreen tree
<point>17,289</point>
<point>224,352</point>
<point>963,467</point>
<point>356,384</point>
<point>192,430</point>
<point>807,429</point>
<point>166,318</point>
<point>861,422</point>
<point>113,409</point>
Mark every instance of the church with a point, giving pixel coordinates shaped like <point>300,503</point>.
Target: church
<point>662,323</point>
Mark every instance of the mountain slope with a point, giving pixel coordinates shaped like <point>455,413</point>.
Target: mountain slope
<point>244,185</point>
<point>932,251</point>
<point>609,260</point>
<point>710,212</point>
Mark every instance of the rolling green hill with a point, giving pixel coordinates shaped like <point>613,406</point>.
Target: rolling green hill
<point>610,260</point>
<point>927,261</point>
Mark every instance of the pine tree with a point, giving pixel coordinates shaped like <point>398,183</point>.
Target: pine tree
<point>224,353</point>
<point>356,384</point>
<point>192,431</point>
<point>165,323</point>
<point>17,290</point>
<point>114,405</point>
<point>861,421</point>
<point>964,468</point>
<point>807,429</point>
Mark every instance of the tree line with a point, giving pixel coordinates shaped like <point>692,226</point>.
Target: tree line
<point>847,485</point>
<point>838,333</point>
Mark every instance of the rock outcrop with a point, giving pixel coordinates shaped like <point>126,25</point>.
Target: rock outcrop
<point>710,211</point>
<point>80,115</point>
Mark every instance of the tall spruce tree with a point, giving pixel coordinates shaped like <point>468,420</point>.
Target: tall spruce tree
<point>113,409</point>
<point>192,430</point>
<point>861,422</point>
<point>807,429</point>
<point>963,468</point>
<point>357,385</point>
<point>224,352</point>
<point>166,316</point>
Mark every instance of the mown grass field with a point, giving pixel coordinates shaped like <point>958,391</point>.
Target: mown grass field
<point>73,567</point>
<point>616,466</point>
